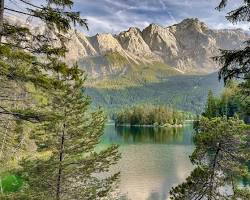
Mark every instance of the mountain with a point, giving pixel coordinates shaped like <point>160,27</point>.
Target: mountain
<point>186,47</point>
<point>159,65</point>
<point>135,57</point>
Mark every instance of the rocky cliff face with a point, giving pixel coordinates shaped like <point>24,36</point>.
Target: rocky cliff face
<point>187,46</point>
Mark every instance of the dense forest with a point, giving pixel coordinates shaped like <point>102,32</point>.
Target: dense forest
<point>229,104</point>
<point>151,115</point>
<point>184,92</point>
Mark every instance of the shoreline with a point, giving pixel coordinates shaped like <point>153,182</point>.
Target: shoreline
<point>150,125</point>
<point>112,123</point>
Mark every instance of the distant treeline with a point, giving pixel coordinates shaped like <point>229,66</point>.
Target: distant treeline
<point>185,92</point>
<point>228,104</point>
<point>151,115</point>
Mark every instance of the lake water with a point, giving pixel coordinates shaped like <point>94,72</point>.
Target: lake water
<point>153,159</point>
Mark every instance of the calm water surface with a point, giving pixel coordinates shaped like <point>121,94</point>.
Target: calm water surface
<point>153,159</point>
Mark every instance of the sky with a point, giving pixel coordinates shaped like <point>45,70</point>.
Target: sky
<point>118,15</point>
<point>114,16</point>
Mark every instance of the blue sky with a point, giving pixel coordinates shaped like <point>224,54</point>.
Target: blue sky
<point>117,15</point>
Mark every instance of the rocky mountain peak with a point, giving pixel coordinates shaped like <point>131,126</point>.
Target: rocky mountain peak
<point>193,24</point>
<point>187,46</point>
<point>105,42</point>
<point>152,28</point>
<point>160,40</point>
<point>132,41</point>
<point>134,30</point>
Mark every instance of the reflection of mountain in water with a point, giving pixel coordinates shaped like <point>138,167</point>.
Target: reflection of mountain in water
<point>153,159</point>
<point>151,135</point>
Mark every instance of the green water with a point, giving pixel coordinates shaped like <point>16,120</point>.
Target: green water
<point>153,160</point>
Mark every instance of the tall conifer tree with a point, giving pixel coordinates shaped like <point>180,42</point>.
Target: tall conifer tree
<point>222,151</point>
<point>26,59</point>
<point>73,166</point>
<point>221,156</point>
<point>66,164</point>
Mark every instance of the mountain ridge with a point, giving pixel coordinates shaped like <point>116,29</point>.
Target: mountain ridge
<point>187,46</point>
<point>150,54</point>
<point>159,65</point>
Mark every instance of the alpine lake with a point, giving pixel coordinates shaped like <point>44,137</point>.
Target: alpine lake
<point>153,159</point>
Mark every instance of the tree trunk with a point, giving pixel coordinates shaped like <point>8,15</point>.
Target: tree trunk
<point>1,18</point>
<point>59,177</point>
<point>213,172</point>
<point>1,185</point>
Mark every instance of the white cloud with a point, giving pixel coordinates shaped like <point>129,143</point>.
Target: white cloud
<point>118,15</point>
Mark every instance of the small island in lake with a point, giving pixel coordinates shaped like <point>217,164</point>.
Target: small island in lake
<point>150,115</point>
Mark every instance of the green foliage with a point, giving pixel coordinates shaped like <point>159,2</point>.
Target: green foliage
<point>211,107</point>
<point>222,144</point>
<point>42,101</point>
<point>150,115</point>
<point>182,92</point>
<point>237,15</point>
<point>221,156</point>
<point>236,63</point>
<point>29,59</point>
<point>10,183</point>
<point>228,104</point>
<point>245,95</point>
<point>66,165</point>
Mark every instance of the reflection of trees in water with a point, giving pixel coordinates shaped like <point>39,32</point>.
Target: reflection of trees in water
<point>154,196</point>
<point>121,197</point>
<point>150,134</point>
<point>157,196</point>
<point>245,181</point>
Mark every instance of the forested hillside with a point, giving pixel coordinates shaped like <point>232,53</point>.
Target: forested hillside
<point>187,93</point>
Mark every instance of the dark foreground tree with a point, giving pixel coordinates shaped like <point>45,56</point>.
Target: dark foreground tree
<point>228,104</point>
<point>26,60</point>
<point>37,90</point>
<point>221,156</point>
<point>222,151</point>
<point>236,63</point>
<point>68,165</point>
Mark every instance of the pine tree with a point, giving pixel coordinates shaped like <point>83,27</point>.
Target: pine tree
<point>236,63</point>
<point>20,67</point>
<point>27,59</point>
<point>221,156</point>
<point>66,164</point>
<point>73,168</point>
<point>211,106</point>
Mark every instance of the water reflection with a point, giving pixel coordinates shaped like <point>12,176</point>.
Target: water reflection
<point>135,135</point>
<point>154,196</point>
<point>153,160</point>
